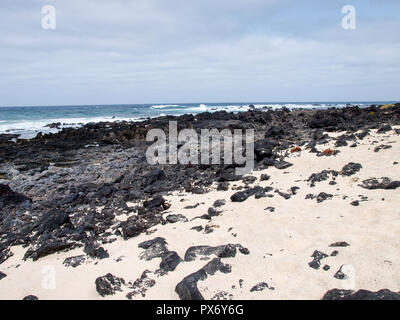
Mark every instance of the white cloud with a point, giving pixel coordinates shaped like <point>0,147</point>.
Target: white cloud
<point>163,51</point>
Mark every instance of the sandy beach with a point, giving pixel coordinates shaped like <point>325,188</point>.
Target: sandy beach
<point>274,236</point>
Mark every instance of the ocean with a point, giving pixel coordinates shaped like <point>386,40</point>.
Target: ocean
<point>29,121</point>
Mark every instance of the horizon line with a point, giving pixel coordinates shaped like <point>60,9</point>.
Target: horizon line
<point>212,102</point>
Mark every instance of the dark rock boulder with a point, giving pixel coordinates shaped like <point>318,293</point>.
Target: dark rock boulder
<point>350,169</point>
<point>49,247</point>
<point>322,120</point>
<point>261,287</point>
<point>174,218</point>
<point>74,261</point>
<point>318,256</point>
<point>321,176</point>
<point>223,251</point>
<point>381,183</point>
<point>9,197</point>
<point>244,195</point>
<point>5,253</point>
<point>384,128</point>
<point>95,251</point>
<point>107,285</point>
<point>274,131</point>
<point>156,202</point>
<point>141,285</point>
<point>155,248</point>
<point>219,203</point>
<point>136,225</point>
<point>282,164</point>
<point>339,244</point>
<point>187,289</point>
<point>170,260</point>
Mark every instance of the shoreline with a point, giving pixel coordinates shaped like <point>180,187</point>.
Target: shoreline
<point>104,203</point>
<point>54,125</point>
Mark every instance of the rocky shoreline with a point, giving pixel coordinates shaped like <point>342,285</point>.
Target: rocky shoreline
<point>84,189</point>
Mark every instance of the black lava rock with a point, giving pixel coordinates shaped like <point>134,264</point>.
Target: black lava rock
<point>108,284</point>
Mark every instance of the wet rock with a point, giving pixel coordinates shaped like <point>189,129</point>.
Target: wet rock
<point>381,183</point>
<point>326,267</point>
<point>74,261</point>
<point>261,287</point>
<point>30,297</point>
<point>350,169</point>
<point>187,289</point>
<point>338,294</point>
<point>107,285</point>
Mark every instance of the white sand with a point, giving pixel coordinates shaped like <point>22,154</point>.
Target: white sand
<point>280,243</point>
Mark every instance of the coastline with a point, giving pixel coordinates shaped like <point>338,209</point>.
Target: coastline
<point>95,181</point>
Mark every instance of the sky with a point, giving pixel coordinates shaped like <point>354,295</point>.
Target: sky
<point>164,51</point>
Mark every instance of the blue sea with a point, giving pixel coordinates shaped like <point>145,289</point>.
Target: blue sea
<point>28,121</point>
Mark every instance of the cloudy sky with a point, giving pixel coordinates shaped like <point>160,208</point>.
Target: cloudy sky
<point>160,51</point>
